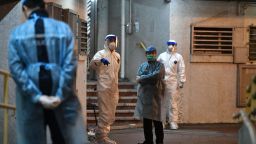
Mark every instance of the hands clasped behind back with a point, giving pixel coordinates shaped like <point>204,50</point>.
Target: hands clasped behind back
<point>49,102</point>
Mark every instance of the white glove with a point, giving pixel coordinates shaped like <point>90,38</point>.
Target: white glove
<point>55,101</point>
<point>137,78</point>
<point>49,102</point>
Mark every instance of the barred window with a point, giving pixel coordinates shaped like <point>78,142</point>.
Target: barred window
<point>212,41</point>
<point>252,43</point>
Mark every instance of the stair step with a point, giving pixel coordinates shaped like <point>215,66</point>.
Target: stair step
<point>117,115</point>
<point>117,122</point>
<point>126,99</point>
<point>117,111</point>
<point>122,92</point>
<point>117,118</point>
<point>120,124</point>
<point>126,104</point>
<point>121,85</point>
<point>121,104</point>
<point>120,97</point>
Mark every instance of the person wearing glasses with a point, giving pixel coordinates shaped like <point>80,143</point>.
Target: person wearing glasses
<point>174,80</point>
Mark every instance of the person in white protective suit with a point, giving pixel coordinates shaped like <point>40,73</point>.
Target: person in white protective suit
<point>106,62</point>
<point>174,80</point>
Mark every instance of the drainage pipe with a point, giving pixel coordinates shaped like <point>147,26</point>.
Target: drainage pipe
<point>122,39</point>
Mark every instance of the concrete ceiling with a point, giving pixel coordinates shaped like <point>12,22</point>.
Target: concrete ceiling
<point>6,6</point>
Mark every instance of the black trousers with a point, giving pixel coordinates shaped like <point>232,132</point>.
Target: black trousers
<point>148,134</point>
<point>45,84</point>
<point>50,120</point>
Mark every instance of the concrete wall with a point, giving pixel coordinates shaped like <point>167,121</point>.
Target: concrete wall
<point>6,24</point>
<point>152,29</point>
<point>103,20</point>
<point>210,93</point>
<point>152,17</point>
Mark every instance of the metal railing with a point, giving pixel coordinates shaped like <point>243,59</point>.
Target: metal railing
<point>246,134</point>
<point>5,105</point>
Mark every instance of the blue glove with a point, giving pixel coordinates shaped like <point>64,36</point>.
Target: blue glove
<point>181,85</point>
<point>105,61</point>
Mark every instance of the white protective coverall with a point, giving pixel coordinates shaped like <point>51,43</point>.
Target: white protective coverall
<point>174,77</point>
<point>107,87</point>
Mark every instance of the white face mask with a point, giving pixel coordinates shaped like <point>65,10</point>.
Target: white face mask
<point>172,48</point>
<point>112,45</point>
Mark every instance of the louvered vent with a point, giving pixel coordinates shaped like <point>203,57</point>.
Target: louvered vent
<point>83,37</point>
<point>212,41</point>
<point>252,43</point>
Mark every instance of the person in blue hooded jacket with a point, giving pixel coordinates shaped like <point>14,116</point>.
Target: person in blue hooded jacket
<point>150,104</point>
<point>43,66</point>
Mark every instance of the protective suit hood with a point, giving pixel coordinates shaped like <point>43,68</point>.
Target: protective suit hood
<point>111,42</point>
<point>171,46</point>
